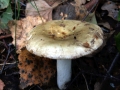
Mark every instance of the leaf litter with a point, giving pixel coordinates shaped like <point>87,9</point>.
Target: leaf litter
<point>35,70</point>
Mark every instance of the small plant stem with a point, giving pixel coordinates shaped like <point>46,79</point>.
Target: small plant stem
<point>93,6</point>
<point>8,54</point>
<point>109,70</point>
<point>35,6</point>
<point>85,81</point>
<point>90,4</point>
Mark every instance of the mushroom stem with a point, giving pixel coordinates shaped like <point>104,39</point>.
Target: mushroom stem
<point>63,73</point>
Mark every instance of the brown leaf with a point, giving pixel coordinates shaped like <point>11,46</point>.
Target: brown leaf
<point>80,9</point>
<point>79,2</point>
<point>44,9</point>
<point>23,27</point>
<point>90,4</point>
<point>34,69</point>
<point>1,84</point>
<point>66,11</point>
<point>50,2</point>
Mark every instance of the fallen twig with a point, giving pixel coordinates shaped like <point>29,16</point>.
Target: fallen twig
<point>7,48</point>
<point>14,73</point>
<point>5,36</point>
<point>8,63</point>
<point>8,54</point>
<point>109,71</point>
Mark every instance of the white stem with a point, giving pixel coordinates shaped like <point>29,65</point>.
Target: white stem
<point>63,73</point>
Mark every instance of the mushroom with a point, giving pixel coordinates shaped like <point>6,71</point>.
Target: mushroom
<point>64,40</point>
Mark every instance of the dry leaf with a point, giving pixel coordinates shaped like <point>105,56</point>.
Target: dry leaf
<point>79,2</point>
<point>34,69</point>
<point>1,84</point>
<point>42,6</point>
<point>81,12</point>
<point>23,27</point>
<point>66,11</point>
<point>112,8</point>
<point>69,11</point>
<point>105,24</point>
<point>51,2</point>
<point>44,9</point>
<point>5,31</point>
<point>80,9</point>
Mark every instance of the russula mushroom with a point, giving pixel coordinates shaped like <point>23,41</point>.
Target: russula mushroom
<point>64,40</point>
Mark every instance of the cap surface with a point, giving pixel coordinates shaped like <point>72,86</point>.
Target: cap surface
<point>64,39</point>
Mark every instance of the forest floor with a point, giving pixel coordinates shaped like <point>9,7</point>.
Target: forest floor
<point>99,72</point>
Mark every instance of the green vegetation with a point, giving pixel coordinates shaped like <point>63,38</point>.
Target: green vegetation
<point>117,39</point>
<point>6,15</point>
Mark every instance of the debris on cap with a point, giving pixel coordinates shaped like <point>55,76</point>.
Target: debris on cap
<point>23,27</point>
<point>34,69</point>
